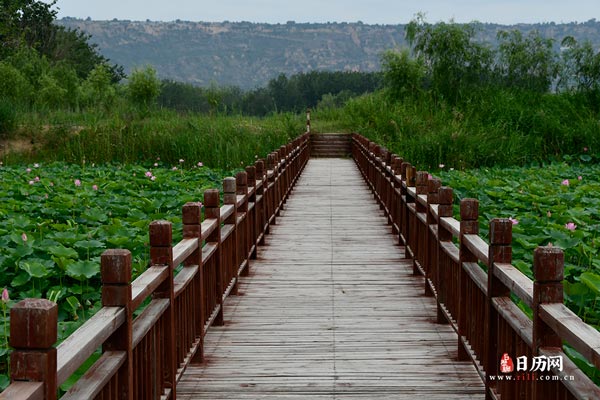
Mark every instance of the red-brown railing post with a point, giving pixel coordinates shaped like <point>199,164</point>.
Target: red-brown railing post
<point>431,248</point>
<point>253,223</point>
<point>262,211</point>
<point>408,175</point>
<point>33,333</point>
<point>500,251</point>
<point>445,209</point>
<point>230,198</point>
<point>115,268</point>
<point>243,231</point>
<point>272,190</point>
<point>548,271</point>
<point>420,228</point>
<point>192,229</point>
<point>469,225</point>
<point>161,253</point>
<point>213,211</point>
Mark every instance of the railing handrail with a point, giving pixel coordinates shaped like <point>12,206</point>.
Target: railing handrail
<point>395,184</point>
<point>113,326</point>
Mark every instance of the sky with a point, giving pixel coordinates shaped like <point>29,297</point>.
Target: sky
<point>369,12</point>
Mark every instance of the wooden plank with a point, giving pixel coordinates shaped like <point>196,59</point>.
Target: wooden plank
<point>478,247</point>
<point>146,320</point>
<point>183,250</point>
<point>516,281</point>
<point>330,309</point>
<point>94,380</point>
<point>23,391</point>
<point>584,338</point>
<point>80,345</point>
<point>147,283</point>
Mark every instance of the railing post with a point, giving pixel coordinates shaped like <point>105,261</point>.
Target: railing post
<point>161,253</point>
<point>308,120</point>
<point>445,209</point>
<point>33,333</point>
<point>548,273</point>
<point>262,192</point>
<point>419,250</point>
<point>431,248</point>
<point>230,198</point>
<point>243,237</point>
<point>272,203</point>
<point>469,225</point>
<point>213,211</point>
<point>253,223</point>
<point>115,268</point>
<point>192,229</point>
<point>500,251</point>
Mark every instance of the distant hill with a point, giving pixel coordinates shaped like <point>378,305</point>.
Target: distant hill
<point>248,54</point>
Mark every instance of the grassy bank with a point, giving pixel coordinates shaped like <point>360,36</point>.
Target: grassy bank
<point>217,141</point>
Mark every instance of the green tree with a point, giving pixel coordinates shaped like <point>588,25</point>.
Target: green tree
<point>403,75</point>
<point>13,85</point>
<point>143,87</point>
<point>26,22</point>
<point>98,89</point>
<point>527,62</point>
<point>456,62</point>
<point>581,66</point>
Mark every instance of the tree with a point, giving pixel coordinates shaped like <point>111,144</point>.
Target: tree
<point>402,74</point>
<point>456,62</point>
<point>581,66</point>
<point>526,62</point>
<point>26,22</point>
<point>143,87</point>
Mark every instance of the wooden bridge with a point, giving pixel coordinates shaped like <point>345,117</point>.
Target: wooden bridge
<point>312,282</point>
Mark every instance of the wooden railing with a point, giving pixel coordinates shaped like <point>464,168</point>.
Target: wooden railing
<point>143,357</point>
<point>473,283</point>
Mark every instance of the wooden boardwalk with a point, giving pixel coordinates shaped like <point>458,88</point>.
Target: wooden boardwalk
<point>331,310</point>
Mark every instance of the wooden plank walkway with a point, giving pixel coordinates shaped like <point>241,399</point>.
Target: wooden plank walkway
<point>331,310</point>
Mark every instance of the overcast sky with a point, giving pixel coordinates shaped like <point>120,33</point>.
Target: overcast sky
<point>371,11</point>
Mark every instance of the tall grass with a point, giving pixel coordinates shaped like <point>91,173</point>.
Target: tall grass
<point>216,141</point>
<point>496,127</point>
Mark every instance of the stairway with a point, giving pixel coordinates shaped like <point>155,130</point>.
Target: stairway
<point>332,145</point>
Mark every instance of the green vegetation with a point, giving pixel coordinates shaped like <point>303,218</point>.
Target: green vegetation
<point>551,204</point>
<point>458,102</point>
<point>57,218</point>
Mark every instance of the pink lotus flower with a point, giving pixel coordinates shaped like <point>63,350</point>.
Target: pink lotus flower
<point>5,296</point>
<point>441,165</point>
<point>565,182</point>
<point>156,164</point>
<point>200,164</point>
<point>579,177</point>
<point>95,187</point>
<point>174,168</point>
<point>548,214</point>
<point>24,237</point>
<point>51,183</point>
<point>153,178</point>
<point>514,221</point>
<point>37,179</point>
<point>585,149</point>
<point>148,174</point>
<point>36,165</point>
<point>31,182</point>
<point>429,177</point>
<point>181,160</point>
<point>77,182</point>
<point>28,170</point>
<point>570,226</point>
